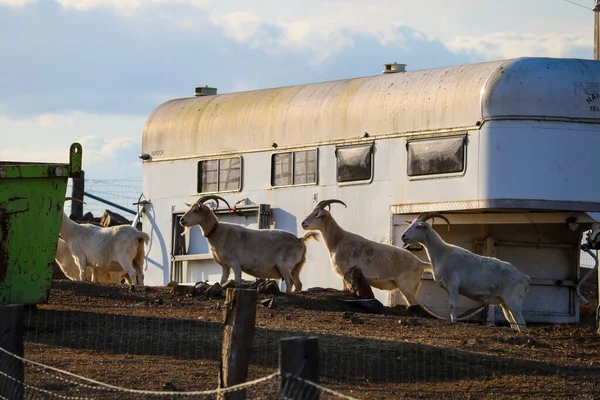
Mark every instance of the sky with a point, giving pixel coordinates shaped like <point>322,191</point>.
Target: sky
<point>92,71</point>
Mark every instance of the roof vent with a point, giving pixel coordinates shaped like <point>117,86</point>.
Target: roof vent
<point>394,67</point>
<point>205,91</point>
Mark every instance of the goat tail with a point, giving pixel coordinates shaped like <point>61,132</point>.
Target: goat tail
<point>427,267</point>
<point>526,284</point>
<point>140,253</point>
<point>310,235</point>
<point>144,236</point>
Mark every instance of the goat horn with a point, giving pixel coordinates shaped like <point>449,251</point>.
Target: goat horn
<point>213,197</point>
<point>324,203</point>
<point>426,216</point>
<point>74,199</point>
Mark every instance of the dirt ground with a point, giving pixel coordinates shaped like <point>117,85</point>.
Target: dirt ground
<point>153,339</point>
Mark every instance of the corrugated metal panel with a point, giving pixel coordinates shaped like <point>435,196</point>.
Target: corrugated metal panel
<point>426,100</point>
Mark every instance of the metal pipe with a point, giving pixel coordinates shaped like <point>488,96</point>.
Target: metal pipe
<point>586,276</point>
<point>467,314</point>
<point>140,211</point>
<point>529,244</point>
<point>110,203</point>
<point>137,216</point>
<point>597,30</point>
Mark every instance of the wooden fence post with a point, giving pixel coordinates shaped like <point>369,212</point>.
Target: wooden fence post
<point>238,336</point>
<point>11,339</point>
<point>299,356</point>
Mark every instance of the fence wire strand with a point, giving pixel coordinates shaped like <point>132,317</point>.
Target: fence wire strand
<point>80,387</point>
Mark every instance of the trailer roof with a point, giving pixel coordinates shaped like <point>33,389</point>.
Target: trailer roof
<point>448,98</point>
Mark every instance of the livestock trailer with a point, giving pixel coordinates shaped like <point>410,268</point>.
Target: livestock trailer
<point>506,149</point>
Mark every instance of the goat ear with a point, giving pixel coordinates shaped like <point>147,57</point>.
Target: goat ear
<point>321,213</point>
<point>187,204</point>
<point>408,222</point>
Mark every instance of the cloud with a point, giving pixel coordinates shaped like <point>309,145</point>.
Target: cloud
<point>509,45</point>
<point>320,30</point>
<point>243,85</point>
<point>126,7</point>
<point>104,157</point>
<point>110,143</point>
<point>16,3</point>
<point>133,67</point>
<point>118,165</point>
<point>300,36</point>
<point>321,39</point>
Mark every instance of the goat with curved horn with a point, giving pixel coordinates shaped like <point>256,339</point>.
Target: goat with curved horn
<point>263,253</point>
<point>327,203</point>
<point>203,199</point>
<point>430,215</point>
<point>384,266</point>
<point>486,280</point>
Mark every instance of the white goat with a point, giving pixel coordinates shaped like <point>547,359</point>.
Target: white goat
<point>268,253</point>
<point>64,258</point>
<point>459,271</point>
<point>99,247</point>
<point>384,266</point>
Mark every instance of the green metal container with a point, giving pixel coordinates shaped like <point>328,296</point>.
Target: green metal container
<point>32,196</point>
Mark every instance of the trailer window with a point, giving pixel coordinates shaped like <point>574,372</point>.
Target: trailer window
<point>294,168</point>
<point>220,175</point>
<point>354,163</point>
<point>436,156</point>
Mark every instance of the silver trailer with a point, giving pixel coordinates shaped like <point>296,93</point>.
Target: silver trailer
<point>506,149</point>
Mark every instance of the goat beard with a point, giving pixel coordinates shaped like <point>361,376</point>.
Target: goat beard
<point>185,230</point>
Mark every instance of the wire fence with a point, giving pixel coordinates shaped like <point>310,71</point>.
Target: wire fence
<point>585,260</point>
<point>155,341</point>
<point>124,192</point>
<point>53,382</point>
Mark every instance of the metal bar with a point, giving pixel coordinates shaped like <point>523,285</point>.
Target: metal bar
<point>586,276</point>
<point>264,216</point>
<point>193,257</point>
<point>110,203</point>
<point>529,244</point>
<point>240,210</point>
<point>11,339</point>
<point>77,191</point>
<point>464,316</point>
<point>552,282</point>
<point>511,206</point>
<point>533,244</point>
<point>299,356</point>
<point>141,210</point>
<point>597,31</point>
